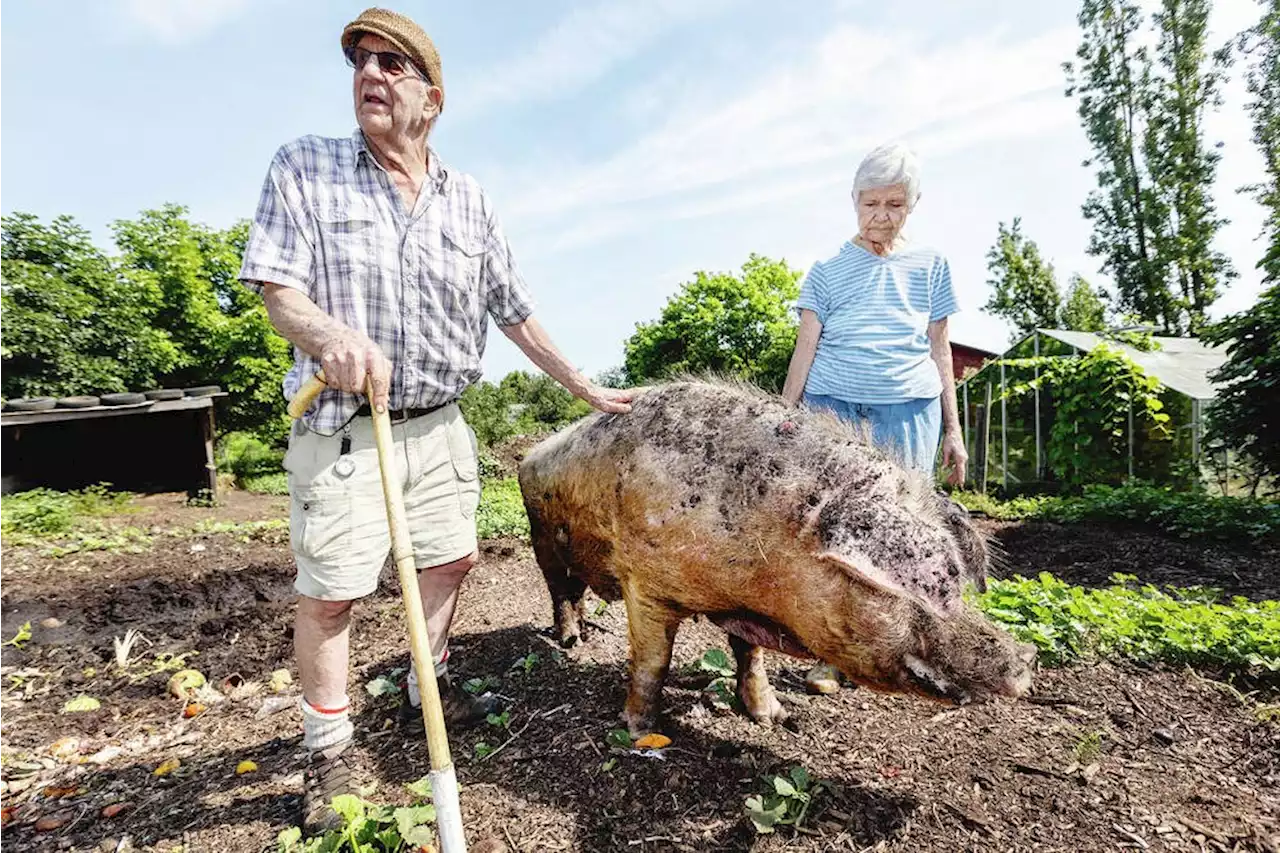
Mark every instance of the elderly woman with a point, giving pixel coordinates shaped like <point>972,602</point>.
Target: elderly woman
<point>872,346</point>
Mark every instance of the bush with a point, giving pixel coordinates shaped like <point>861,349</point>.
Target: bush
<point>44,513</point>
<point>245,455</point>
<point>501,511</point>
<point>1175,626</point>
<point>1183,514</point>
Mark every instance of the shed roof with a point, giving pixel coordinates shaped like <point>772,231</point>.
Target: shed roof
<point>1183,364</point>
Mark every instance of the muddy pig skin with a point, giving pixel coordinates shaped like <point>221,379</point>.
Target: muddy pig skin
<point>784,526</point>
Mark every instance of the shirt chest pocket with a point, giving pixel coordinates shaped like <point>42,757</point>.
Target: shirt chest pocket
<point>348,237</point>
<point>457,268</point>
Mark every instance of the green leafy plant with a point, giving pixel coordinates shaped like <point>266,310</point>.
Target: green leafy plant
<point>1094,395</point>
<point>1183,514</point>
<point>501,511</point>
<point>370,828</point>
<point>1140,622</point>
<point>45,513</point>
<point>526,663</point>
<point>716,662</point>
<point>786,800</point>
<point>23,635</point>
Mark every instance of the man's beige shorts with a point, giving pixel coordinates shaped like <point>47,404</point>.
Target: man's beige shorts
<point>338,516</point>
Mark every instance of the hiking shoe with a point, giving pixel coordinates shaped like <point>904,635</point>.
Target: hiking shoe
<point>823,678</point>
<point>329,773</point>
<point>460,707</point>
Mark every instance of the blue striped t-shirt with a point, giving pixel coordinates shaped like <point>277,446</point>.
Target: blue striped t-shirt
<point>875,313</point>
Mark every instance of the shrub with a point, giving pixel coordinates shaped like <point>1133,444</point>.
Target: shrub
<point>244,455</point>
<point>1183,514</point>
<point>501,511</point>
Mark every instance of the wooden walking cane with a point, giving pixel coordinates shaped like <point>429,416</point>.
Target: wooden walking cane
<point>444,782</point>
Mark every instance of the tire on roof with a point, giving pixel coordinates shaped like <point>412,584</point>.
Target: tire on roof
<point>32,404</point>
<point>126,399</point>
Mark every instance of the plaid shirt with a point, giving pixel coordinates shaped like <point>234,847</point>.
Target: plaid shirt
<point>420,284</point>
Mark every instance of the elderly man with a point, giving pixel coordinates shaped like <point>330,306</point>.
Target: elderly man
<point>379,262</point>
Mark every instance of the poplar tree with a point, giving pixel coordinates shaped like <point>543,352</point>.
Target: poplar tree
<point>1183,165</point>
<point>1112,80</point>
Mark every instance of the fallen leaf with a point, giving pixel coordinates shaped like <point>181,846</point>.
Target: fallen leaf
<point>185,681</point>
<point>55,792</point>
<point>49,823</point>
<point>64,747</point>
<point>6,814</point>
<point>81,703</point>
<point>245,766</point>
<point>115,809</point>
<point>89,671</point>
<point>167,767</point>
<point>653,741</point>
<point>275,704</point>
<point>105,754</point>
<point>192,710</point>
<point>280,679</point>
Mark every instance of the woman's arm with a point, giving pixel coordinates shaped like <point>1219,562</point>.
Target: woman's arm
<point>802,357</point>
<point>953,450</point>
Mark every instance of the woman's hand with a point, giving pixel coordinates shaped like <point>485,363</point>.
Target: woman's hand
<point>954,456</point>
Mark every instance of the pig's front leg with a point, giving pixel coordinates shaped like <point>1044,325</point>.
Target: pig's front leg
<point>652,632</point>
<point>753,683</point>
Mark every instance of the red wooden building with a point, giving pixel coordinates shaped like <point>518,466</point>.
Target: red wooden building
<point>968,358</point>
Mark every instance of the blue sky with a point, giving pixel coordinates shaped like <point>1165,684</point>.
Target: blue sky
<point>626,144</point>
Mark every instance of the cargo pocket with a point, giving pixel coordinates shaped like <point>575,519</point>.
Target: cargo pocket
<point>320,525</point>
<point>463,451</point>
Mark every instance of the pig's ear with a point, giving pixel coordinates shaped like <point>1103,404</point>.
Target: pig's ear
<point>863,573</point>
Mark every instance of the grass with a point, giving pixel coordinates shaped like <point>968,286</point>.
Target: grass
<point>45,513</point>
<point>1192,626</point>
<point>1186,515</point>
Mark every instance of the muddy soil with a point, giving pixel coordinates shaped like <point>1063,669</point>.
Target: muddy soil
<point>1103,757</point>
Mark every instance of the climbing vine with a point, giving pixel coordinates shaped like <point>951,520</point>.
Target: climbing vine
<point>1092,394</point>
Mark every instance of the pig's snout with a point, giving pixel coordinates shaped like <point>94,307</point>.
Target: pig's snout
<point>1018,683</point>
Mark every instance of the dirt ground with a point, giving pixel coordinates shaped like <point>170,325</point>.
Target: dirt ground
<point>1102,757</point>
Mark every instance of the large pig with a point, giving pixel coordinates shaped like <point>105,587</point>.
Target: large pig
<point>786,527</point>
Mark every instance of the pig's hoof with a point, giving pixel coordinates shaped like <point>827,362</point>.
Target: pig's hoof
<point>638,725</point>
<point>823,679</point>
<point>568,641</point>
<point>769,712</point>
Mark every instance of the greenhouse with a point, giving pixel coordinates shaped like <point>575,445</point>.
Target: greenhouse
<point>1017,440</point>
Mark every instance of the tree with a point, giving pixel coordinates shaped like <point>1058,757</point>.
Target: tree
<point>1153,218</point>
<point>1085,308</point>
<point>1182,166</point>
<point>1245,415</point>
<point>1261,45</point>
<point>75,322</point>
<point>1112,79</point>
<point>221,328</point>
<point>1025,290</point>
<point>742,326</point>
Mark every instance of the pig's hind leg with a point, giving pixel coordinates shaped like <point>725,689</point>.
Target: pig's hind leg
<point>566,587</point>
<point>754,690</point>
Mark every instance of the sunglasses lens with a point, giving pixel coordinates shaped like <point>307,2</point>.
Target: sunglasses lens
<point>391,62</point>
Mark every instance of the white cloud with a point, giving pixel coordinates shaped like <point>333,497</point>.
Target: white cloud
<point>802,127</point>
<point>581,48</point>
<point>175,22</point>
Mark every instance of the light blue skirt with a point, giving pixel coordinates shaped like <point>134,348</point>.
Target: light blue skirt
<point>912,431</point>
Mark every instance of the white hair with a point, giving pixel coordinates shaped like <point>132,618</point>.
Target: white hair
<point>889,164</point>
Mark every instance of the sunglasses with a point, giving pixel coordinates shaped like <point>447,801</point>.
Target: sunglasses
<point>389,61</point>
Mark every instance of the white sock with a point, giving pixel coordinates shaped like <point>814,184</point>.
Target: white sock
<point>442,669</point>
<point>325,727</point>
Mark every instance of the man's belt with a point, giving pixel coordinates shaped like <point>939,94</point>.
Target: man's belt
<point>401,415</point>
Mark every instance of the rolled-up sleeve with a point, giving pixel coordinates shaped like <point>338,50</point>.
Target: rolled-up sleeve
<point>507,297</point>
<point>813,293</point>
<point>942,297</point>
<point>281,244</point>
